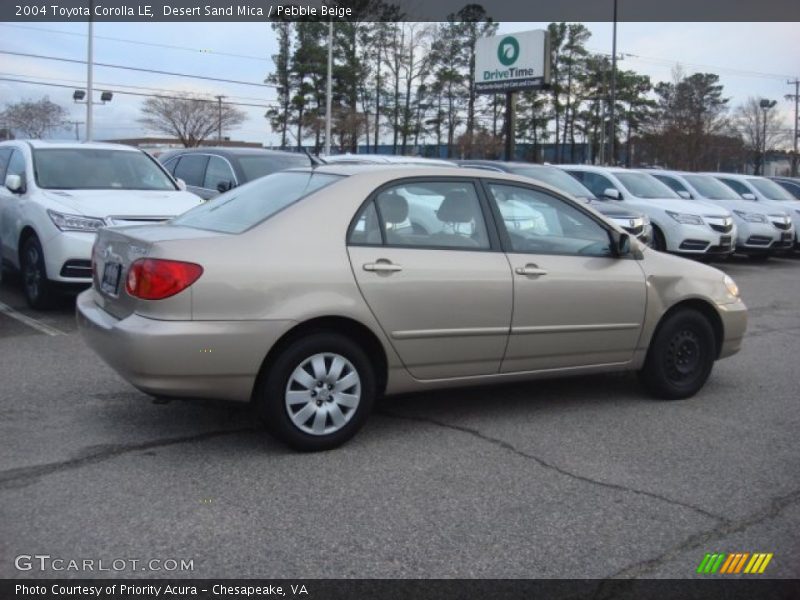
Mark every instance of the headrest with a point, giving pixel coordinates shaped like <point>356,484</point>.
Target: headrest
<point>457,207</point>
<point>393,207</point>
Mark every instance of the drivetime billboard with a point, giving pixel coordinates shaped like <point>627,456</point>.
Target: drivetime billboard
<point>512,62</point>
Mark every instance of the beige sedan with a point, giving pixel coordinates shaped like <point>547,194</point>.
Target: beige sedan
<point>312,291</point>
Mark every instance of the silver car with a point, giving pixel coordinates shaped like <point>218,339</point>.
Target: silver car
<point>308,293</point>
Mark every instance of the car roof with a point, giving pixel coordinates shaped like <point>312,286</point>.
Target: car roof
<point>385,159</point>
<point>383,173</point>
<point>43,144</point>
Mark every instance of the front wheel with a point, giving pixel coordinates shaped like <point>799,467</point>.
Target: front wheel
<point>659,241</point>
<point>38,289</point>
<point>680,357</point>
<point>318,392</point>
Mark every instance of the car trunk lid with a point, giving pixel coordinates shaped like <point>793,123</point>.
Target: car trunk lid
<point>116,249</point>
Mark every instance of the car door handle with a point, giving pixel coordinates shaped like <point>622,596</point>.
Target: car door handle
<point>530,270</point>
<point>382,266</point>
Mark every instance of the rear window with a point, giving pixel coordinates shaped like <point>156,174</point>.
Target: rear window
<point>97,169</point>
<point>248,205</point>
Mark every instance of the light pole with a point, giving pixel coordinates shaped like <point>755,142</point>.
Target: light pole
<point>328,99</point>
<point>89,76</point>
<point>765,106</point>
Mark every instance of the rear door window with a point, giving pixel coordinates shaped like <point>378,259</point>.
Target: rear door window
<point>428,214</point>
<point>192,168</point>
<point>218,172</point>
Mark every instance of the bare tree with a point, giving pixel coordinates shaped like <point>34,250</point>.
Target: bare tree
<point>749,122</point>
<point>34,119</point>
<point>191,119</point>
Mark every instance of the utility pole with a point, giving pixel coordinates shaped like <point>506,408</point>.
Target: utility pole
<point>219,118</point>
<point>77,128</point>
<point>796,98</point>
<point>613,87</point>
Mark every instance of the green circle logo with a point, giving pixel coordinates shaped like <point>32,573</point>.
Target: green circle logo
<point>508,51</point>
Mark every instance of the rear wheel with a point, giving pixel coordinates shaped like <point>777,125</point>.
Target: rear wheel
<point>680,357</point>
<point>318,392</point>
<point>37,288</point>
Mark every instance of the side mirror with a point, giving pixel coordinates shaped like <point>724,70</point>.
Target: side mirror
<point>749,196</point>
<point>620,243</point>
<point>684,194</point>
<point>15,184</point>
<point>612,193</point>
<point>224,186</point>
<point>181,184</point>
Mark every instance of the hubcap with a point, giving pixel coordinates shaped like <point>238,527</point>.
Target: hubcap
<point>684,357</point>
<point>323,393</point>
<point>33,276</point>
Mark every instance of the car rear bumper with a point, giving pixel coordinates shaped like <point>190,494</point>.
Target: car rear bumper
<point>734,325</point>
<point>203,359</point>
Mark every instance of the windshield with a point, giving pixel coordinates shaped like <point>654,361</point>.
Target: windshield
<point>250,204</point>
<point>642,185</point>
<point>557,178</point>
<point>711,188</point>
<point>770,189</point>
<point>255,166</point>
<point>97,169</point>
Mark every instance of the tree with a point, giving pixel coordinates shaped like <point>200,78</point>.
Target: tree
<point>189,118</point>
<point>749,120</point>
<point>691,112</point>
<point>34,119</point>
<point>279,115</point>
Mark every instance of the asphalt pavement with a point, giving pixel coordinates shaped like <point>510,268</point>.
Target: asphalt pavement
<point>584,477</point>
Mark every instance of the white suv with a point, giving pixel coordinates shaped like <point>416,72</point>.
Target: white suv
<point>762,228</point>
<point>686,227</point>
<point>55,196</point>
<point>771,196</point>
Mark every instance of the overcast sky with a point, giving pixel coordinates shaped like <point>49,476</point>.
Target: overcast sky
<point>752,59</point>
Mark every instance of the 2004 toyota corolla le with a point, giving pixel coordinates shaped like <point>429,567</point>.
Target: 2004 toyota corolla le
<point>312,291</point>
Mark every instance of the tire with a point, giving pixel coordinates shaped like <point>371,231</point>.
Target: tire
<point>659,243</point>
<point>37,288</point>
<point>680,357</point>
<point>309,417</point>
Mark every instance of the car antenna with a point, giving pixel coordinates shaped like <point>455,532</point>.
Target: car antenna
<point>315,160</point>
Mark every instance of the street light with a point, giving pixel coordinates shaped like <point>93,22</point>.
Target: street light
<point>80,97</point>
<point>765,106</point>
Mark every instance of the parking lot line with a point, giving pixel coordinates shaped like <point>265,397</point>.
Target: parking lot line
<point>29,321</point>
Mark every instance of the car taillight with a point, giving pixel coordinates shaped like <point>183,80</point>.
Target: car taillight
<point>156,279</point>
